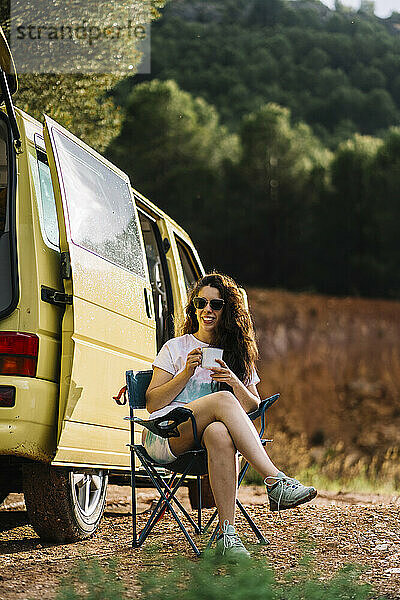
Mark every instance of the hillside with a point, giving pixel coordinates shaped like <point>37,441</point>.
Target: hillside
<point>336,70</point>
<point>336,363</point>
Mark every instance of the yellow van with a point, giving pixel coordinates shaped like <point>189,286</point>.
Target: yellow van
<point>91,276</point>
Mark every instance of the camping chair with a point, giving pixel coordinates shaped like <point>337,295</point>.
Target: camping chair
<point>167,479</point>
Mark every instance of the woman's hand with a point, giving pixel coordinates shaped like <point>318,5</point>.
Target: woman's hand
<point>193,360</point>
<point>223,374</point>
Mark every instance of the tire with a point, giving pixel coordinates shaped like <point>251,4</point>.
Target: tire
<point>64,505</point>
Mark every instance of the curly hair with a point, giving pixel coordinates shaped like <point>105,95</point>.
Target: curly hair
<point>235,331</point>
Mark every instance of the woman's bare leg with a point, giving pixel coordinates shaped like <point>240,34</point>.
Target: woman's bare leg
<point>222,469</point>
<point>224,407</point>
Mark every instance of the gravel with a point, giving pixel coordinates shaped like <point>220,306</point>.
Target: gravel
<point>335,529</point>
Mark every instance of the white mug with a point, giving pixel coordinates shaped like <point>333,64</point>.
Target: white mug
<point>209,355</point>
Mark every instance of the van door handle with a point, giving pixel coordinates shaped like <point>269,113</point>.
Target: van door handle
<point>147,302</point>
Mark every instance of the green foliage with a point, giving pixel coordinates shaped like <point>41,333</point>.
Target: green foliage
<point>212,578</point>
<point>347,221</point>
<point>325,66</point>
<point>90,581</point>
<point>358,218</point>
<point>384,196</point>
<point>272,191</point>
<point>175,151</point>
<point>170,126</point>
<point>78,102</point>
<point>81,103</point>
<point>294,214</point>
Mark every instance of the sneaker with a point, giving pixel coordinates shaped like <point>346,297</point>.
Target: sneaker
<point>229,543</point>
<point>285,492</point>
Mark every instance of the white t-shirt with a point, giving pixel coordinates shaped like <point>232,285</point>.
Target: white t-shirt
<point>172,358</point>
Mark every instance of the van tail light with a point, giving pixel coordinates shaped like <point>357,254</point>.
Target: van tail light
<point>18,353</point>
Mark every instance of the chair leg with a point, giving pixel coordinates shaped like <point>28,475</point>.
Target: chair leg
<point>171,497</point>
<point>133,494</point>
<point>160,502</point>
<point>157,514</point>
<point>250,521</point>
<point>159,509</point>
<point>167,501</point>
<point>199,502</point>
<point>210,521</point>
<point>242,473</point>
<point>213,536</point>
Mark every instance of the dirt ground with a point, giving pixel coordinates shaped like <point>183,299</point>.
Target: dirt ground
<point>340,529</point>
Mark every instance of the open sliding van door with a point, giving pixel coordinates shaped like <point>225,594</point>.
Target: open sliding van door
<point>109,325</point>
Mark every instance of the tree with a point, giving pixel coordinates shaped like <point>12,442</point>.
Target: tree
<point>175,152</point>
<point>385,186</point>
<point>273,189</point>
<point>81,103</point>
<point>346,221</point>
<point>319,63</point>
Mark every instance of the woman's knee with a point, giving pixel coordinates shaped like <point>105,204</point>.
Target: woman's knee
<point>217,436</point>
<point>226,397</point>
<point>225,403</point>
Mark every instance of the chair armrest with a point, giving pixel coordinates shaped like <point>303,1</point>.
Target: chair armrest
<point>262,407</point>
<point>166,425</point>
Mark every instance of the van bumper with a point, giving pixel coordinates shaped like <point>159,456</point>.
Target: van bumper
<point>29,429</point>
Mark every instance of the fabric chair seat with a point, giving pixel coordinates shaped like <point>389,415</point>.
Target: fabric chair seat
<point>199,466</point>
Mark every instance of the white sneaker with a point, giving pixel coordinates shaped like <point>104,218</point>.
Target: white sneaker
<point>285,492</point>
<point>229,543</point>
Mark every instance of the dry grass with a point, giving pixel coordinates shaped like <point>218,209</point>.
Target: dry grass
<point>336,363</point>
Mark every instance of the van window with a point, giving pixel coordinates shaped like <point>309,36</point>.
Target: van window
<point>46,203</point>
<point>101,211</point>
<point>191,272</point>
<point>159,278</point>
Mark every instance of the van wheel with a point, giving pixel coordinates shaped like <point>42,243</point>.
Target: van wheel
<point>64,505</point>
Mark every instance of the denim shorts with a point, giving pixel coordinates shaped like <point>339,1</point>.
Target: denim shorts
<point>158,448</point>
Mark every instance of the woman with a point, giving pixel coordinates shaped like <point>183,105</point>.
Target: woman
<point>216,316</point>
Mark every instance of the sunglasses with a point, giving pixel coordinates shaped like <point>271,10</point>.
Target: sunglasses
<point>215,303</point>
